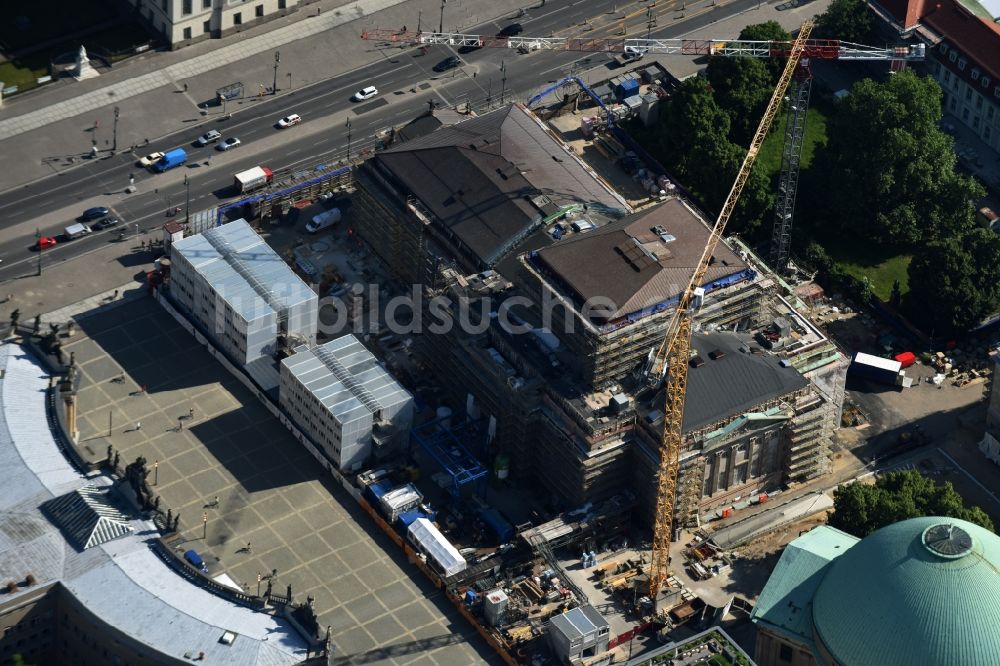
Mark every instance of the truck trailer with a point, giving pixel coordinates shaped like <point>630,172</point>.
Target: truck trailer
<point>876,368</point>
<point>251,179</point>
<point>174,158</point>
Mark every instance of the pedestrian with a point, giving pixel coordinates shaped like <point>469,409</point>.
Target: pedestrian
<point>191,413</point>
<point>147,142</point>
<point>185,87</point>
<point>248,548</point>
<point>121,377</point>
<point>474,74</point>
<point>138,425</point>
<point>180,424</point>
<point>115,297</point>
<point>215,502</point>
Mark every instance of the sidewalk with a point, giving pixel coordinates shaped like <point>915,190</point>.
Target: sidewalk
<point>50,130</point>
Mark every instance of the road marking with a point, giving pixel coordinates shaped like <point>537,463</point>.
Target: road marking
<point>971,478</point>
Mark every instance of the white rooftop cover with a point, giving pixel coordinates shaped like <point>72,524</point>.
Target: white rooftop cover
<point>404,496</point>
<point>878,361</point>
<point>426,535</point>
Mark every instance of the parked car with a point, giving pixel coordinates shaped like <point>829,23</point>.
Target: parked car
<point>451,62</point>
<point>106,223</point>
<point>231,142</point>
<point>288,121</point>
<point>511,30</point>
<point>45,242</point>
<point>365,93</point>
<point>211,136</point>
<point>95,213</point>
<point>150,159</point>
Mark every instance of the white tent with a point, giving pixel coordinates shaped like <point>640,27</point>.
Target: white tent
<point>429,539</point>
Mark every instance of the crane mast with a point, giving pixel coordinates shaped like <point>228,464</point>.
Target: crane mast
<point>677,340</point>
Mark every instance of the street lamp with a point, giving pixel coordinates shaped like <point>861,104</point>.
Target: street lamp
<point>348,140</point>
<point>187,208</point>
<point>289,80</point>
<point>114,144</point>
<point>38,242</point>
<point>277,59</point>
<point>503,81</point>
<point>441,23</point>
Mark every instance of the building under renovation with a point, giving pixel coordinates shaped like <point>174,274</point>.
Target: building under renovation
<point>612,289</point>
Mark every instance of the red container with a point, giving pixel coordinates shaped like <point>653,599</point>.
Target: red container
<point>906,358</point>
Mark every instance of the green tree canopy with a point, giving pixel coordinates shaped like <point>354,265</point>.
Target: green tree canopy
<point>955,283</point>
<point>888,172</point>
<point>692,137</point>
<point>860,509</point>
<point>846,20</point>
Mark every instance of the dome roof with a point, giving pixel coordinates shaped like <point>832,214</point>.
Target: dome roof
<point>920,591</point>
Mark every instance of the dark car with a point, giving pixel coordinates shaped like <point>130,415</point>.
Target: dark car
<point>511,30</point>
<point>94,213</point>
<point>450,62</point>
<point>106,223</point>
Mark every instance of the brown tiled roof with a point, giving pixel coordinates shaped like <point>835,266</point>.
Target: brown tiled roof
<point>977,39</point>
<point>628,264</point>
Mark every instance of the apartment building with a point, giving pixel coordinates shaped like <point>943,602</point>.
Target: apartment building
<point>345,401</point>
<point>240,293</point>
<point>963,49</point>
<point>184,22</point>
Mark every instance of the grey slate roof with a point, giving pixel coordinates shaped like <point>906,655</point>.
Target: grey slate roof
<point>608,262</point>
<point>475,177</point>
<point>346,378</point>
<point>121,581</point>
<point>87,517</point>
<point>244,270</point>
<point>734,383</point>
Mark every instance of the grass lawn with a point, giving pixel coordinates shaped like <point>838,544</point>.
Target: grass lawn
<point>881,267</point>
<point>21,74</point>
<point>769,158</point>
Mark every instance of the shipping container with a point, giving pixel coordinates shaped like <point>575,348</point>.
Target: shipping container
<point>875,368</point>
<point>497,524</point>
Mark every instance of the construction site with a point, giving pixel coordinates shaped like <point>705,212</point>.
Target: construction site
<point>610,369</point>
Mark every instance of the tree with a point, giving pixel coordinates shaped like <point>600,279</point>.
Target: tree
<point>860,509</point>
<point>888,172</point>
<point>743,86</point>
<point>692,137</point>
<point>954,282</point>
<point>846,20</point>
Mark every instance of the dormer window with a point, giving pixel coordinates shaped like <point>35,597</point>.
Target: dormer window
<point>944,47</point>
<point>962,62</point>
<point>953,56</point>
<point>986,82</point>
<point>975,73</point>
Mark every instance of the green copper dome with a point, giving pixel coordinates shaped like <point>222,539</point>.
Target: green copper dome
<point>921,591</point>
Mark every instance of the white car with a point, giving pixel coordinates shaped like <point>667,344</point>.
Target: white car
<point>365,93</point>
<point>150,159</point>
<point>208,137</point>
<point>231,142</point>
<point>288,121</point>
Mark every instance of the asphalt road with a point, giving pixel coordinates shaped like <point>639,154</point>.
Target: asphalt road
<point>406,83</point>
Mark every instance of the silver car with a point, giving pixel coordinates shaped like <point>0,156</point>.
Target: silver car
<point>211,136</point>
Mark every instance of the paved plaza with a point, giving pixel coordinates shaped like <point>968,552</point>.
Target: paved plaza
<point>271,493</point>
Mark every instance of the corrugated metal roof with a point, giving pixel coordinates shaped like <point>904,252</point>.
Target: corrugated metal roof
<point>122,581</point>
<point>244,270</point>
<point>630,266</point>
<point>891,600</point>
<point>346,378</point>
<point>476,177</point>
<point>785,603</point>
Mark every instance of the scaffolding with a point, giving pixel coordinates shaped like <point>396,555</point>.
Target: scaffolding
<point>448,444</point>
<point>788,183</point>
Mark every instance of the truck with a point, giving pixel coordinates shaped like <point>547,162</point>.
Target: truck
<point>76,230</point>
<point>323,220</point>
<point>876,368</point>
<point>251,179</point>
<point>170,159</point>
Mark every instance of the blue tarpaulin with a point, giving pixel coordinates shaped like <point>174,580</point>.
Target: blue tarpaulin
<point>497,524</point>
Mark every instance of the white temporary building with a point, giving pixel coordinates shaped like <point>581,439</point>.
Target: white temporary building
<point>428,538</point>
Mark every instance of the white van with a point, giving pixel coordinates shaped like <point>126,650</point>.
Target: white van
<point>324,220</point>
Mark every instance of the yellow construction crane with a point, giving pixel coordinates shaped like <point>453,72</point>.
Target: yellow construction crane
<point>674,352</point>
